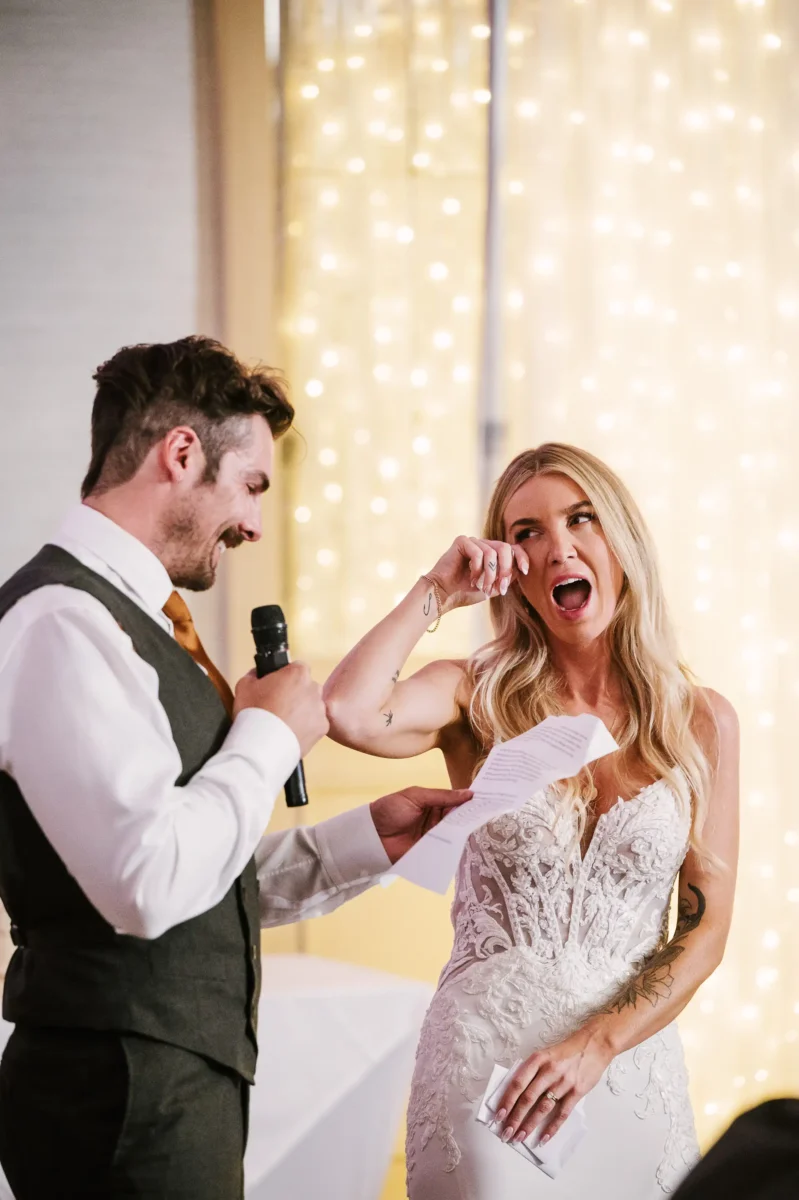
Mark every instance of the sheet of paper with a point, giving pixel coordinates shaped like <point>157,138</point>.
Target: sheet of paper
<point>550,1157</point>
<point>514,771</point>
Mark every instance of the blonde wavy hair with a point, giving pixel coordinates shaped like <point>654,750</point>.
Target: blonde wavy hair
<point>514,683</point>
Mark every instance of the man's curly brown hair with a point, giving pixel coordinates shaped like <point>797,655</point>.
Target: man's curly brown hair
<point>145,391</point>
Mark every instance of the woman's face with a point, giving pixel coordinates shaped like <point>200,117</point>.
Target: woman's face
<point>574,580</point>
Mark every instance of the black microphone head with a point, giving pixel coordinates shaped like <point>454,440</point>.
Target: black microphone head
<point>269,625</point>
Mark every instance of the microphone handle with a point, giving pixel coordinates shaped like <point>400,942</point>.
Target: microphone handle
<point>267,661</point>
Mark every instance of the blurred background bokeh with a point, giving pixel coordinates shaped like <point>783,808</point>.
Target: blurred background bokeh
<point>307,181</point>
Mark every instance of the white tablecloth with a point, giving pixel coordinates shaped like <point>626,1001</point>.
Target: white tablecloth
<point>337,1045</point>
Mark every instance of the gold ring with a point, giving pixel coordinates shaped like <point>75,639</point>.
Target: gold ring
<point>551,1096</point>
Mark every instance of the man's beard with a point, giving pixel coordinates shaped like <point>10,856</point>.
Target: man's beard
<point>191,553</point>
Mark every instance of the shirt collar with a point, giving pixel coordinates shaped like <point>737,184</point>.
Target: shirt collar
<point>90,535</point>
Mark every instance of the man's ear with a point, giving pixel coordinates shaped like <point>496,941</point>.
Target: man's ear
<point>181,455</point>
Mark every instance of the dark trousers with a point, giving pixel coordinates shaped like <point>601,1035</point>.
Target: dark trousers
<point>102,1116</point>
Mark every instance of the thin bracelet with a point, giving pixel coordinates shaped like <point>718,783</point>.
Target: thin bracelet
<point>439,605</point>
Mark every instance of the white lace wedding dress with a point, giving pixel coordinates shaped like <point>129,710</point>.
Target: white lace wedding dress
<point>542,938</point>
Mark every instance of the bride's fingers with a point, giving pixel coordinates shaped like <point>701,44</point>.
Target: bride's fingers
<point>472,551</point>
<point>562,1111</point>
<point>540,1104</point>
<point>524,1078</point>
<point>505,561</point>
<point>520,558</point>
<point>490,567</point>
<point>532,1105</point>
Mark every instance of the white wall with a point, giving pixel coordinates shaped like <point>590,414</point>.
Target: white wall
<point>99,234</point>
<point>98,227</point>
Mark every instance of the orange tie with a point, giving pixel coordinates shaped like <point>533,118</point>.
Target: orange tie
<point>186,636</point>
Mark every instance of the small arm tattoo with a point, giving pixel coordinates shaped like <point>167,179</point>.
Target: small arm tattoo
<point>654,980</point>
<point>395,677</point>
<point>428,607</point>
<point>389,717</point>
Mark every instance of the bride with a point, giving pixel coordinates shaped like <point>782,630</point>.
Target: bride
<point>562,956</point>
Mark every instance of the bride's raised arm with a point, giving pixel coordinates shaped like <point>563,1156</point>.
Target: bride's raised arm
<point>369,708</point>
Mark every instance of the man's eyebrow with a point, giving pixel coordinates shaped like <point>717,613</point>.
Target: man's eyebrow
<point>259,479</point>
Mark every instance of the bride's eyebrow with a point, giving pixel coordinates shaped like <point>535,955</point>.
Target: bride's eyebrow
<point>534,523</point>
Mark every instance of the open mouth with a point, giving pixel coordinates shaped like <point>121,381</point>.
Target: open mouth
<point>571,596</point>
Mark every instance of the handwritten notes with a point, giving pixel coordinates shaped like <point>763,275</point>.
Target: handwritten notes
<point>514,771</point>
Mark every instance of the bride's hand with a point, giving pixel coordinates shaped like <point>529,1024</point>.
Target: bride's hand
<point>474,569</point>
<point>567,1070</point>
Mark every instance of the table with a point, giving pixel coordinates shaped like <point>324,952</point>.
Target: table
<point>337,1048</point>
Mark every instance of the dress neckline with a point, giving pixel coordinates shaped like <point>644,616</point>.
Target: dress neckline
<point>643,793</point>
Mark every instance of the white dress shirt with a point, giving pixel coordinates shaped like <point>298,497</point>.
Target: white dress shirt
<point>84,735</point>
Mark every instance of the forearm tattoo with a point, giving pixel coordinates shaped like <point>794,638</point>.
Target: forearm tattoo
<point>429,605</point>
<point>654,980</point>
<point>395,677</point>
<point>389,717</point>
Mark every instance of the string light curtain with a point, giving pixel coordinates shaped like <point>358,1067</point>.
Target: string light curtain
<point>652,296</point>
<point>385,140</point>
<point>651,301</point>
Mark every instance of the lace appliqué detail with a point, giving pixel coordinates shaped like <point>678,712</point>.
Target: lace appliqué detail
<point>543,938</point>
<point>661,1061</point>
<point>442,1060</point>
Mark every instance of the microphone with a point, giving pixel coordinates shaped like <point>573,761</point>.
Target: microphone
<point>271,653</point>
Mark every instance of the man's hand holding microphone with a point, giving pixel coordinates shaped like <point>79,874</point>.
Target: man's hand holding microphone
<point>291,693</point>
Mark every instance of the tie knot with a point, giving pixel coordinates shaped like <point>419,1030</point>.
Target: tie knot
<point>177,610</point>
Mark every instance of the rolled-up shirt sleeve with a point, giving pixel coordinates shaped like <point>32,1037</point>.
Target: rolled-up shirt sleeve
<point>310,871</point>
<point>91,748</point>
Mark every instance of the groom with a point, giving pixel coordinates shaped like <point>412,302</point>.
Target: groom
<point>134,790</point>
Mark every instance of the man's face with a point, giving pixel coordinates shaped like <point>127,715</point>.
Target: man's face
<point>213,517</point>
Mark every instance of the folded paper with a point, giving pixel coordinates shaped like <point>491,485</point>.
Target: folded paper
<point>549,1158</point>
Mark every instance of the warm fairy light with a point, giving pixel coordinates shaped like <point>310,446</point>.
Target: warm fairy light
<point>389,468</point>
<point>641,317</point>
